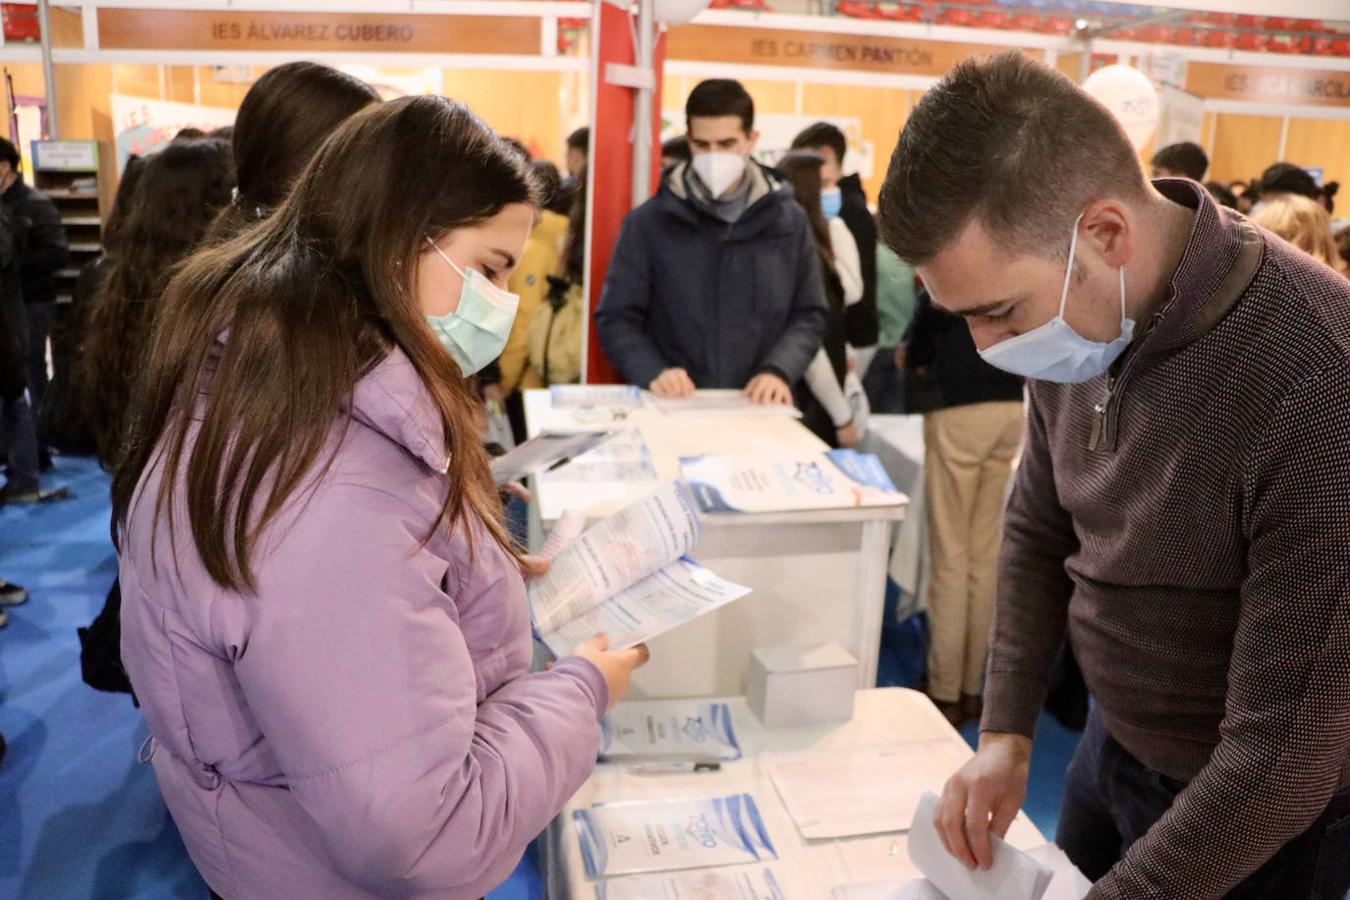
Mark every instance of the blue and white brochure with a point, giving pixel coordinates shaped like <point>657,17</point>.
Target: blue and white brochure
<point>589,396</point>
<point>669,730</point>
<point>718,884</point>
<point>837,479</point>
<point>670,835</point>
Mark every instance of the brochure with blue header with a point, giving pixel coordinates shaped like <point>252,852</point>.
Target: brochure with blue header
<point>669,730</point>
<point>669,835</point>
<point>838,479</point>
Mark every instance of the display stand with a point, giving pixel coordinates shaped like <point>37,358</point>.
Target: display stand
<point>69,173</point>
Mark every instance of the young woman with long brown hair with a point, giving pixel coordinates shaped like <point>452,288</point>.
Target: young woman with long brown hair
<point>323,619</point>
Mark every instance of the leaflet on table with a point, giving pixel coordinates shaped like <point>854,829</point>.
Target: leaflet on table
<point>581,396</point>
<point>544,451</point>
<point>861,790</point>
<point>1041,874</point>
<point>661,602</point>
<point>627,577</point>
<point>751,884</point>
<point>718,401</point>
<point>669,729</point>
<point>623,457</point>
<point>668,835</point>
<point>838,479</point>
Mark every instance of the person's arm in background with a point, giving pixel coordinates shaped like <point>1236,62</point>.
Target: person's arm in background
<point>46,248</point>
<point>1286,727</point>
<point>806,319</point>
<point>821,380</point>
<point>864,328</point>
<point>1030,618</point>
<point>363,683</point>
<point>625,306</point>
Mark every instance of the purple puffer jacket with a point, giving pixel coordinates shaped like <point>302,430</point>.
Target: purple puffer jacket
<point>366,725</point>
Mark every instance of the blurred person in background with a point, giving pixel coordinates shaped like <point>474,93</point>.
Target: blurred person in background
<point>42,248</point>
<point>1304,223</point>
<point>1183,160</point>
<point>22,477</point>
<point>1221,194</point>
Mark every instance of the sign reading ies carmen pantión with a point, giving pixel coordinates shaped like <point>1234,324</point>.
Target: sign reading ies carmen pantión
<point>145,29</point>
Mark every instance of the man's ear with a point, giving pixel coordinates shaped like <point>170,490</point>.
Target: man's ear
<point>1107,226</point>
<point>754,140</point>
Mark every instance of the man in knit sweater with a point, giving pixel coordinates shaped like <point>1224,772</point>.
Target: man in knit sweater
<point>1182,507</point>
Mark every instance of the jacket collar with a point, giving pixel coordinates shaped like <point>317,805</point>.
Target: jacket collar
<point>392,399</point>
<point>1221,257</point>
<point>767,191</point>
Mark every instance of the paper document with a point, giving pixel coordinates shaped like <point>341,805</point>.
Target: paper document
<point>628,577</point>
<point>666,835</point>
<point>583,396</point>
<point>720,401</point>
<point>544,451</point>
<point>669,730</point>
<point>839,479</point>
<point>861,790</point>
<point>752,884</point>
<point>624,456</point>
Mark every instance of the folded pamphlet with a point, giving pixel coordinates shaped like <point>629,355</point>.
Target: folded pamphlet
<point>628,577</point>
<point>838,479</point>
<point>669,730</point>
<point>751,884</point>
<point>582,396</point>
<point>543,452</point>
<point>668,835</point>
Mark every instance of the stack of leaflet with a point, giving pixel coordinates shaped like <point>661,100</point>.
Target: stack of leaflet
<point>590,404</point>
<point>719,401</point>
<point>1042,874</point>
<point>744,884</point>
<point>838,479</point>
<point>677,730</point>
<point>628,577</point>
<point>621,457</point>
<point>671,835</point>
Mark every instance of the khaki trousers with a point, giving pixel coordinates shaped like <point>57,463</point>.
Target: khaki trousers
<point>968,455</point>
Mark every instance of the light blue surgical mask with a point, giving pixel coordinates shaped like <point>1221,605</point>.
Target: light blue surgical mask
<point>1054,351</point>
<point>475,333</point>
<point>831,202</point>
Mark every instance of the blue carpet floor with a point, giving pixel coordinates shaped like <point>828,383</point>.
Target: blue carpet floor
<point>79,817</point>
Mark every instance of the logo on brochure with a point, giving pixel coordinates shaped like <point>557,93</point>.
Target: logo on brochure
<point>701,831</point>
<point>813,477</point>
<point>696,729</point>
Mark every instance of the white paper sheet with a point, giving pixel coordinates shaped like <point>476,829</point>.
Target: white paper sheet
<point>663,836</point>
<point>582,396</point>
<point>678,593</point>
<point>1014,875</point>
<point>613,555</point>
<point>753,884</point>
<point>625,456</point>
<point>546,449</point>
<point>861,790</point>
<point>669,730</point>
<point>719,401</point>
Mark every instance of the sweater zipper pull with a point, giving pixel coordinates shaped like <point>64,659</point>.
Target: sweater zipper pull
<point>1099,413</point>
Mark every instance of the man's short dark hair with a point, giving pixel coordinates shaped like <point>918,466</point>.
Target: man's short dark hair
<point>1283,178</point>
<point>1186,158</point>
<point>721,97</point>
<point>9,153</point>
<point>822,134</point>
<point>580,140</point>
<point>1012,142</point>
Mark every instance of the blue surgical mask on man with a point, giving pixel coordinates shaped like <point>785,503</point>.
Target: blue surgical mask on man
<point>476,331</point>
<point>831,202</point>
<point>1054,351</point>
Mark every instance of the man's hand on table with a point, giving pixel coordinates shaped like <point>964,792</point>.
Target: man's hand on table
<point>768,388</point>
<point>984,795</point>
<point>672,383</point>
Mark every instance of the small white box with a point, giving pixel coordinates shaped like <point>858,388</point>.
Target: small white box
<point>792,686</point>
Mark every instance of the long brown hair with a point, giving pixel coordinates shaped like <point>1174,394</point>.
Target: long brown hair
<point>282,120</point>
<point>177,193</point>
<point>802,170</point>
<point>312,298</point>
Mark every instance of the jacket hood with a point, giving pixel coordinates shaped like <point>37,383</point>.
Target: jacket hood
<point>392,400</point>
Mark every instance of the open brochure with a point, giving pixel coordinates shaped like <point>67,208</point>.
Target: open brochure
<point>690,730</point>
<point>837,479</point>
<point>744,884</point>
<point>628,577</point>
<point>669,835</point>
<point>543,452</point>
<point>1041,874</point>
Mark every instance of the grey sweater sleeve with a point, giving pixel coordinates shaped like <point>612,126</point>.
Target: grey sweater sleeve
<point>1033,589</point>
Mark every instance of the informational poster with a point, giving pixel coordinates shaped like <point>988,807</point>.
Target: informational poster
<point>1182,117</point>
<point>142,126</point>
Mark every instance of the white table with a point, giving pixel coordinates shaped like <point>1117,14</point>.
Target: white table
<point>816,576</point>
<point>898,443</point>
<point>805,869</point>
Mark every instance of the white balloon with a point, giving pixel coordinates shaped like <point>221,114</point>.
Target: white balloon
<point>1130,96</point>
<point>677,12</point>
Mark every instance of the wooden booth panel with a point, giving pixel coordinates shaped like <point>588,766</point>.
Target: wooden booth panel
<point>1243,146</point>
<point>1323,143</point>
<point>495,97</point>
<point>882,112</point>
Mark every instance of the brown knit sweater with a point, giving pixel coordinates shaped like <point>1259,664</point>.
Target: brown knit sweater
<point>1188,518</point>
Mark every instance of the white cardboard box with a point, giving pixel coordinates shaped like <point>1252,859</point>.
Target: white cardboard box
<point>792,686</point>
